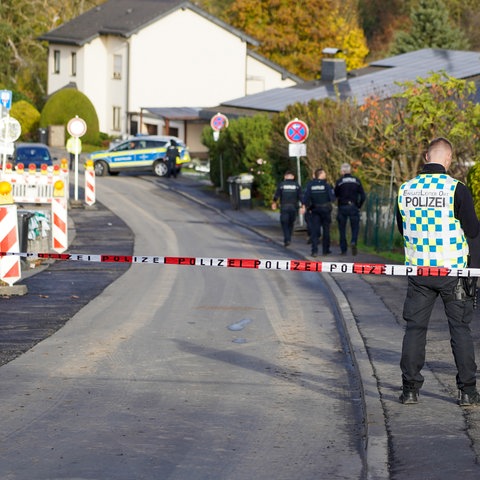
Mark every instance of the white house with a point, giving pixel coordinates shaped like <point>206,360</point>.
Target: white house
<point>141,60</point>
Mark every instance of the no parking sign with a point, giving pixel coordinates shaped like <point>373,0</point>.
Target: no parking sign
<point>296,131</point>
<point>219,122</point>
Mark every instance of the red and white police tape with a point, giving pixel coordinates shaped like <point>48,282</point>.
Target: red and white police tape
<point>262,264</point>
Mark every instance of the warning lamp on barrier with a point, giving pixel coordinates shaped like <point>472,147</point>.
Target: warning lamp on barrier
<point>59,188</point>
<point>89,165</point>
<point>6,197</point>
<point>20,168</point>
<point>32,168</point>
<point>56,169</point>
<point>64,164</point>
<point>8,168</point>
<point>44,168</point>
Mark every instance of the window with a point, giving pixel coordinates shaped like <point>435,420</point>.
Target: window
<point>56,61</point>
<point>74,64</point>
<point>116,118</point>
<point>173,131</point>
<point>117,67</point>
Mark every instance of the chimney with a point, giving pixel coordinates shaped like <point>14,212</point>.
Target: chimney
<point>334,70</point>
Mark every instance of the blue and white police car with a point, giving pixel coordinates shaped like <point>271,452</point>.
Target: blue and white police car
<point>142,153</point>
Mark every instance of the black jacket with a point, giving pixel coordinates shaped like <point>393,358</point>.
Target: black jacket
<point>172,153</point>
<point>349,191</point>
<point>318,193</point>
<point>289,193</point>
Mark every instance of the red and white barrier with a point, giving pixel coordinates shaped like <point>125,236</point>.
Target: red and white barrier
<point>59,224</point>
<point>89,186</point>
<point>10,270</point>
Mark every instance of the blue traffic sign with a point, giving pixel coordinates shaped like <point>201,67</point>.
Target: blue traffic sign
<point>6,99</point>
<point>296,131</point>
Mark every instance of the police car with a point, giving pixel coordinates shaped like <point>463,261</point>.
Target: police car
<point>142,153</point>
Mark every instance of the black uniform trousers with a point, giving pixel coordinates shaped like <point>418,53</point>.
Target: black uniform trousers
<point>172,168</point>
<point>288,215</point>
<point>421,295</point>
<point>320,220</point>
<point>344,213</point>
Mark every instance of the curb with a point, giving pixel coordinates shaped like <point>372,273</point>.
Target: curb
<point>9,291</point>
<point>376,444</point>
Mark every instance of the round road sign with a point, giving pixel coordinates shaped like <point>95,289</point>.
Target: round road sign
<point>10,129</point>
<point>218,122</point>
<point>296,131</point>
<point>77,127</point>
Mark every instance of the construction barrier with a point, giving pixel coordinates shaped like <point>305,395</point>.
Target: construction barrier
<point>89,183</point>
<point>59,224</point>
<point>32,185</point>
<point>10,270</point>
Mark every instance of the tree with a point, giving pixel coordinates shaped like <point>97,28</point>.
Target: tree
<point>397,131</point>
<point>327,143</point>
<point>293,34</point>
<point>430,28</point>
<point>379,20</point>
<point>65,105</point>
<point>243,148</point>
<point>23,58</point>
<point>28,117</point>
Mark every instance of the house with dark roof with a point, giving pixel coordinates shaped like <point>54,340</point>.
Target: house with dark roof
<point>380,79</point>
<point>150,66</point>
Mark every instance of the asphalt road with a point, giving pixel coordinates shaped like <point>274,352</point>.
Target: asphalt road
<point>181,373</point>
<point>432,440</point>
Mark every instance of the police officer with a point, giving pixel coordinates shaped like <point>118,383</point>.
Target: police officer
<point>318,199</point>
<point>351,196</point>
<point>172,154</point>
<point>289,194</point>
<point>436,216</point>
<point>74,147</point>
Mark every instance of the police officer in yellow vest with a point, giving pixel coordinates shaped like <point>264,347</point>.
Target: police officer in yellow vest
<point>74,147</point>
<point>436,217</point>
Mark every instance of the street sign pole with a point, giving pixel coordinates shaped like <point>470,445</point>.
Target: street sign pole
<point>296,132</point>
<point>6,103</point>
<point>218,123</point>
<point>76,128</point>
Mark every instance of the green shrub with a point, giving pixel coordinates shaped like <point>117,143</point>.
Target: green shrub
<point>473,183</point>
<point>28,117</point>
<point>243,148</point>
<point>65,105</point>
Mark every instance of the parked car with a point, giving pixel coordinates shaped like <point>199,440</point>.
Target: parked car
<point>28,153</point>
<point>141,153</point>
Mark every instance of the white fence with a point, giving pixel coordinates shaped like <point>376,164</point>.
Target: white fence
<point>36,187</point>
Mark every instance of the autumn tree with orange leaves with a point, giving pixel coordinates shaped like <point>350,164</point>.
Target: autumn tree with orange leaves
<point>293,34</point>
